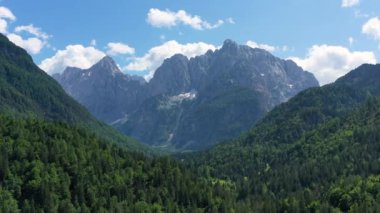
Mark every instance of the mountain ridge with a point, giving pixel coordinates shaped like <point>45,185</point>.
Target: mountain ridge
<point>27,91</point>
<point>222,81</point>
<point>300,154</point>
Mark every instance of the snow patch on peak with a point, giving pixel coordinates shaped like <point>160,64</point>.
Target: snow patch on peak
<point>184,96</point>
<point>177,100</point>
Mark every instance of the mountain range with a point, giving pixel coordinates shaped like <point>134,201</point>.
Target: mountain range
<point>316,152</point>
<point>188,102</point>
<point>55,157</point>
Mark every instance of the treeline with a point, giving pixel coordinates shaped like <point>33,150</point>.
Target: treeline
<point>53,167</point>
<point>324,163</point>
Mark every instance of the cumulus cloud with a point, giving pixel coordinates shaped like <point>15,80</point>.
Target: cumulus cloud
<point>350,3</point>
<point>119,49</point>
<point>328,63</point>
<point>3,26</point>
<point>74,56</point>
<point>36,40</point>
<point>5,14</point>
<point>372,28</point>
<point>266,47</point>
<point>32,30</point>
<point>159,18</point>
<point>32,45</point>
<point>156,55</point>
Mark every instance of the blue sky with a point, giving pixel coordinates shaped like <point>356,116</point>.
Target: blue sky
<point>326,37</point>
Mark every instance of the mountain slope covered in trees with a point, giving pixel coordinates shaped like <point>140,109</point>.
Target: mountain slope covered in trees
<point>27,91</point>
<point>54,167</point>
<point>54,157</point>
<point>318,151</point>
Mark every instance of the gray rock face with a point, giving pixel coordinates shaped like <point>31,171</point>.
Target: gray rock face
<point>190,104</point>
<point>103,89</point>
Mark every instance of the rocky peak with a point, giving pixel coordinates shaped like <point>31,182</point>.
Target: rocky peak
<point>230,44</point>
<point>71,70</point>
<point>172,76</point>
<point>233,50</point>
<point>106,64</point>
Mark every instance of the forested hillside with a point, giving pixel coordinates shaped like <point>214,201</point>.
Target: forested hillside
<point>54,167</point>
<point>55,157</point>
<point>316,152</point>
<point>27,91</point>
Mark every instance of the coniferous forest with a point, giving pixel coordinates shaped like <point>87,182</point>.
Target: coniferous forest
<point>317,152</point>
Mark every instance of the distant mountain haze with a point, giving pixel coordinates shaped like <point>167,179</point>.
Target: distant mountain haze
<point>189,104</point>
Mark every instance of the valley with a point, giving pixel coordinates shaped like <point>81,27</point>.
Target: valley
<point>153,107</point>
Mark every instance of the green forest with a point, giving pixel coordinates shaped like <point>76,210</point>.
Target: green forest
<point>54,167</point>
<point>318,152</point>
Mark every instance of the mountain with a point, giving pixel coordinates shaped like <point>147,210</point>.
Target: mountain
<point>103,89</point>
<point>55,157</point>
<point>188,102</point>
<point>27,91</point>
<point>314,153</point>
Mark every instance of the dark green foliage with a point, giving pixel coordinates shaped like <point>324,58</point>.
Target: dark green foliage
<point>25,88</point>
<point>53,167</point>
<point>356,194</point>
<point>319,152</point>
<point>292,159</point>
<point>27,91</point>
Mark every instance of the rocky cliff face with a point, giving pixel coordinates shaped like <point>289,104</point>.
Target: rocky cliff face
<point>190,103</point>
<point>103,89</point>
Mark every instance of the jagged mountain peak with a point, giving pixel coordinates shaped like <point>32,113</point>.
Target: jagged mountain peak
<point>106,64</point>
<point>228,43</point>
<point>232,49</point>
<point>235,84</point>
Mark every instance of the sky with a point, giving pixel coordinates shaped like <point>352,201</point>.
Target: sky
<point>326,37</point>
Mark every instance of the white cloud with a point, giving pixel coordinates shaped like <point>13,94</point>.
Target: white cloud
<point>74,56</point>
<point>328,63</point>
<point>32,45</point>
<point>372,28</point>
<point>5,13</point>
<point>167,18</point>
<point>119,49</point>
<point>3,26</point>
<point>156,55</point>
<point>32,30</point>
<point>350,3</point>
<point>266,47</point>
